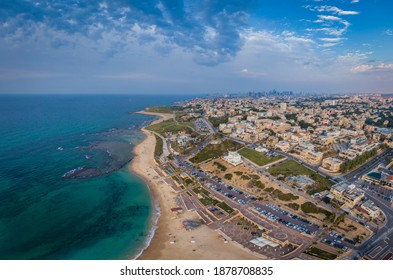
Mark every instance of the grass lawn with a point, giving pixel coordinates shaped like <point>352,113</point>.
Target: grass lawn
<point>200,190</point>
<point>169,126</point>
<point>291,167</point>
<point>158,150</point>
<point>225,207</point>
<point>257,157</point>
<point>216,151</point>
<point>160,109</point>
<point>208,201</point>
<point>313,251</point>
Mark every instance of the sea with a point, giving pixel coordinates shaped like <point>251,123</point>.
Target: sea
<point>65,189</point>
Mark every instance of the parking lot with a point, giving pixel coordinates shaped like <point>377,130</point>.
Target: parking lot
<point>380,191</point>
<point>338,241</point>
<point>290,220</point>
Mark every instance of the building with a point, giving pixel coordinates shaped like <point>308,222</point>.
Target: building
<point>301,181</point>
<point>332,164</point>
<point>372,210</point>
<point>233,158</point>
<point>347,194</point>
<point>283,107</point>
<point>312,157</point>
<point>283,146</point>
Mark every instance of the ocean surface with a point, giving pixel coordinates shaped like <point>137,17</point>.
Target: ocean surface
<point>65,189</point>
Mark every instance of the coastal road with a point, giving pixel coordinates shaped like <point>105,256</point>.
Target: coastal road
<point>367,167</point>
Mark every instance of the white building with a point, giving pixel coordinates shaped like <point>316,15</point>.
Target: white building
<point>233,158</point>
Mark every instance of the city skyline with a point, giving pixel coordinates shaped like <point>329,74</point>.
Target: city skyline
<point>196,47</point>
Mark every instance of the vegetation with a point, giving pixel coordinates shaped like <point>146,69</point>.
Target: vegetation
<point>293,206</point>
<point>169,126</point>
<point>207,201</point>
<point>216,151</point>
<point>201,190</point>
<point>359,160</point>
<point>220,166</point>
<point>291,168</point>
<point>161,109</point>
<point>188,181</point>
<point>259,185</point>
<point>238,173</point>
<point>309,207</point>
<point>291,117</point>
<point>285,196</point>
<point>245,177</point>
<point>225,207</point>
<point>340,219</point>
<point>228,176</point>
<point>313,251</point>
<point>217,121</point>
<point>257,157</point>
<point>158,150</point>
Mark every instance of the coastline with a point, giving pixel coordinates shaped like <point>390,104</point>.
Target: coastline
<point>168,238</point>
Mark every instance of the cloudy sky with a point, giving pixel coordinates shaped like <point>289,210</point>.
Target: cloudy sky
<point>195,46</point>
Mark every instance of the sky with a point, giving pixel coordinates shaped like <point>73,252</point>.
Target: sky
<point>196,46</point>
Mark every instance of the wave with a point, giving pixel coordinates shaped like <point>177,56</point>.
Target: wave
<point>72,172</point>
<point>153,227</point>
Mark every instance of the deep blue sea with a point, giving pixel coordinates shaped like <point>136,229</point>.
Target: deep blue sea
<point>65,190</point>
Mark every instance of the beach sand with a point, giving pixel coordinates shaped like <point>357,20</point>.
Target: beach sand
<point>171,240</point>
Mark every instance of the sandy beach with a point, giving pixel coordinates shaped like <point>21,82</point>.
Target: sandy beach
<point>171,240</point>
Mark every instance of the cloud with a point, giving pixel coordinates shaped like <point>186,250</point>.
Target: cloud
<point>210,30</point>
<point>389,32</point>
<point>331,9</point>
<point>368,68</point>
<point>355,1</point>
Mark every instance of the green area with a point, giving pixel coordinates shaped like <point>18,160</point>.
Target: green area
<point>313,251</point>
<point>220,166</point>
<point>169,126</point>
<point>216,151</point>
<point>293,206</point>
<point>158,150</point>
<point>359,160</point>
<point>257,157</point>
<point>309,207</point>
<point>217,121</point>
<point>284,196</point>
<point>225,207</point>
<point>269,189</point>
<point>160,109</point>
<point>200,190</point>
<point>259,185</point>
<point>245,177</point>
<point>293,168</point>
<point>340,219</point>
<point>228,176</point>
<point>238,173</point>
<point>188,181</point>
<point>208,201</point>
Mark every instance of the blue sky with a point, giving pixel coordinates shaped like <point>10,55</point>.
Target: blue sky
<point>195,46</point>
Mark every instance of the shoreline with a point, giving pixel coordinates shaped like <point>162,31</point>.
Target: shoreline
<point>168,238</point>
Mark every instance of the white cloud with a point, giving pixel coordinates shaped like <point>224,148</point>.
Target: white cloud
<point>389,32</point>
<point>331,40</point>
<point>331,9</point>
<point>367,68</point>
<point>355,1</point>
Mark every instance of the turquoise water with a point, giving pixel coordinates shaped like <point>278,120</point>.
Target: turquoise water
<point>65,191</point>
